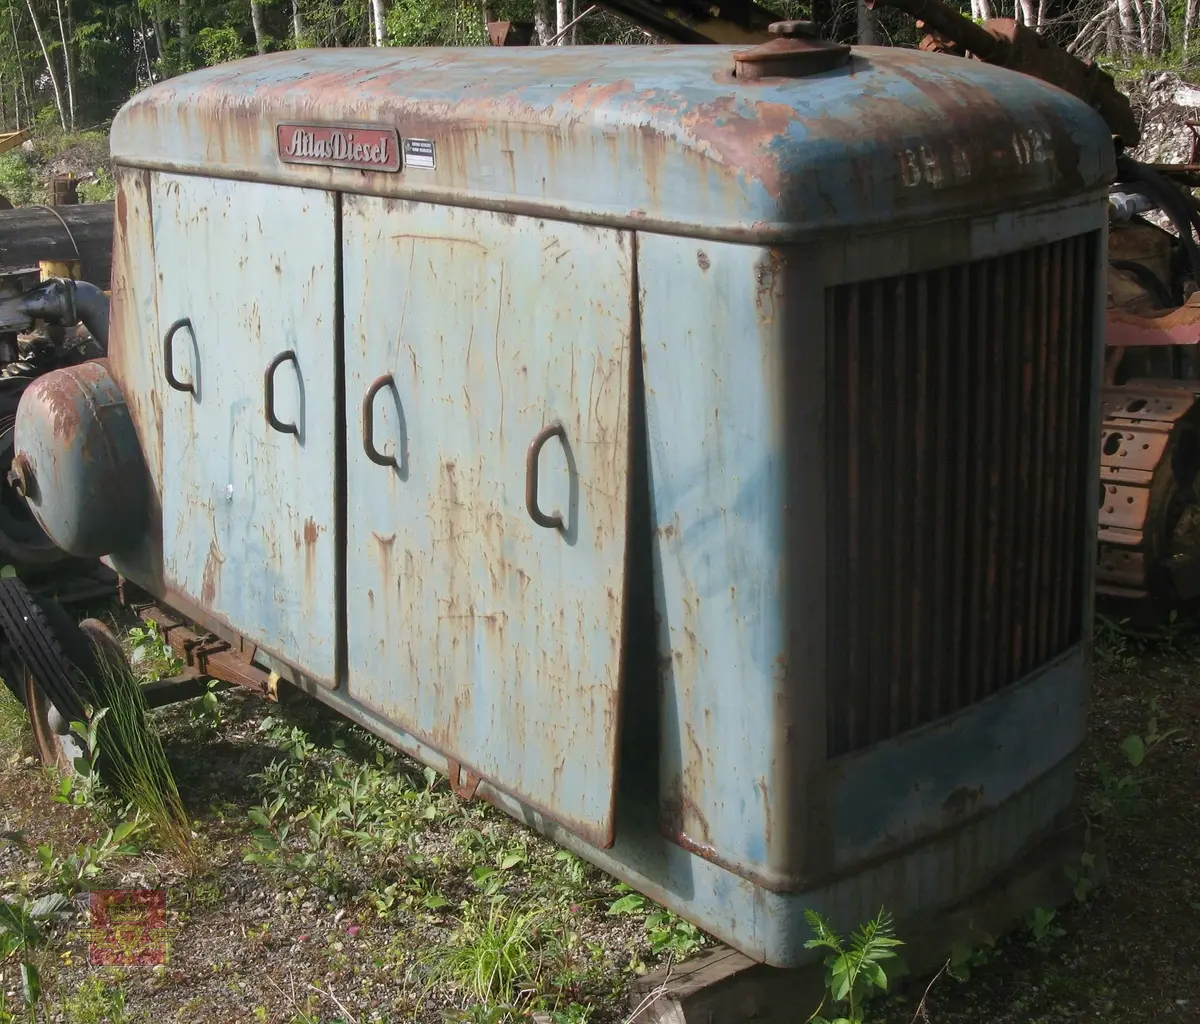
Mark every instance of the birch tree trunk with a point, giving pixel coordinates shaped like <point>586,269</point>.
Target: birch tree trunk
<point>256,19</point>
<point>1158,27</point>
<point>1189,19</point>
<point>298,28</point>
<point>12,18</point>
<point>185,40</point>
<point>1128,25</point>
<point>982,9</point>
<point>380,17</point>
<point>37,29</point>
<point>542,22</point>
<point>560,21</point>
<point>868,25</point>
<point>68,64</point>
<point>1143,34</point>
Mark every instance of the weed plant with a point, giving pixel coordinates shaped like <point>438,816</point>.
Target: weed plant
<point>135,763</point>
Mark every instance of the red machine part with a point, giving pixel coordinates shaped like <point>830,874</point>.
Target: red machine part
<point>1148,537</point>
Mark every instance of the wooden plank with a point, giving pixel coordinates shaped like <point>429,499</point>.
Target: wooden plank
<point>30,235</point>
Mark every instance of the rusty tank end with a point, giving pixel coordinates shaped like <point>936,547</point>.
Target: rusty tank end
<point>688,449</point>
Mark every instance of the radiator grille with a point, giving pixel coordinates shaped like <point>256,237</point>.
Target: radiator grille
<point>958,451</point>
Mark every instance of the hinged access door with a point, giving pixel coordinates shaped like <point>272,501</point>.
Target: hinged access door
<point>246,308</point>
<point>487,391</point>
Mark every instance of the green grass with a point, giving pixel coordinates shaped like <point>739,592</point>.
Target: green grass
<point>14,723</point>
<point>492,959</point>
<point>136,763</point>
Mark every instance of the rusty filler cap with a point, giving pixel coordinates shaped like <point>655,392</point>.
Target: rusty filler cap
<point>797,51</point>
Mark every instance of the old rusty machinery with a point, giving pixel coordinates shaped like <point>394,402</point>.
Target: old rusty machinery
<point>1149,505</point>
<point>1149,531</point>
<point>1149,501</point>
<point>42,252</point>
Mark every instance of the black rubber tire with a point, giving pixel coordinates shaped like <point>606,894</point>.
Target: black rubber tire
<point>66,661</point>
<point>48,642</point>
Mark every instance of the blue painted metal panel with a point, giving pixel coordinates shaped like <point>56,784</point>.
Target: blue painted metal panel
<point>916,883</point>
<point>495,639</point>
<point>135,357</point>
<point>249,511</point>
<point>662,137</point>
<point>735,382</point>
<point>712,364</point>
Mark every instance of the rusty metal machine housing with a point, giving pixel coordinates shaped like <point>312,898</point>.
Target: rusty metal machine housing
<point>1148,555</point>
<point>687,449</point>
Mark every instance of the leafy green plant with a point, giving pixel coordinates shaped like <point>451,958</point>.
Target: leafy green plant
<point>96,1001</point>
<point>74,872</point>
<point>346,820</point>
<point>1116,648</point>
<point>1043,927</point>
<point>18,182</point>
<point>102,190</point>
<point>631,903</point>
<point>22,930</point>
<point>1119,793</point>
<point>667,932</point>
<point>965,958</point>
<point>218,45</point>
<point>82,788</point>
<point>854,970</point>
<point>1082,877</point>
<point>151,655</point>
<point>492,959</point>
<point>206,712</point>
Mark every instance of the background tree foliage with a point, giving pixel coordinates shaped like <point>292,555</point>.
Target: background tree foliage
<point>67,65</point>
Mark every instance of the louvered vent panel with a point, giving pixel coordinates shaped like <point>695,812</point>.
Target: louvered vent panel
<point>958,463</point>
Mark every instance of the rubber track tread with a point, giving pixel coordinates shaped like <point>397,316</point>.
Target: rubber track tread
<point>33,639</point>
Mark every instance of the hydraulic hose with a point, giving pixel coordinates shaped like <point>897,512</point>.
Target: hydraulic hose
<point>1172,202</point>
<point>91,306</point>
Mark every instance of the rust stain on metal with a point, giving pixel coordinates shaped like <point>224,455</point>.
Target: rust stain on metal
<point>212,573</point>
<point>62,395</point>
<point>206,653</point>
<point>767,285</point>
<point>588,95</point>
<point>741,135</point>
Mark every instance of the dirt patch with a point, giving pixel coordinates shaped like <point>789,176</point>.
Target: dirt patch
<point>1128,953</point>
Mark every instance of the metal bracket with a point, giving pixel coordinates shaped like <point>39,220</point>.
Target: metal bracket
<point>466,789</point>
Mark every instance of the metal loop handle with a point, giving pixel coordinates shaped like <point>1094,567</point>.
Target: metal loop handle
<point>554,522</point>
<point>368,428</point>
<point>168,359</point>
<point>269,390</point>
